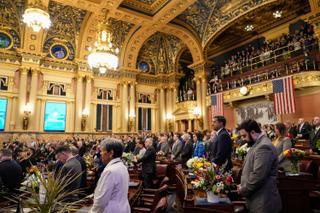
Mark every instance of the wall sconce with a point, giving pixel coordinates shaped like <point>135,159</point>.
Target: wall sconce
<point>26,117</point>
<point>85,114</point>
<point>132,119</point>
<point>169,118</point>
<point>197,115</point>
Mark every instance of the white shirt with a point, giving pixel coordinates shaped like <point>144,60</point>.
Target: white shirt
<point>111,193</point>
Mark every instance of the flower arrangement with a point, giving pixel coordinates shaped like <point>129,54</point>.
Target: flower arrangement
<point>89,161</point>
<point>197,163</point>
<point>242,150</point>
<point>127,158</point>
<point>210,180</point>
<point>318,144</point>
<point>294,156</point>
<point>33,177</point>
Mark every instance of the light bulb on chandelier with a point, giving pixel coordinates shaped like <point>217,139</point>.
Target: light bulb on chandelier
<point>36,17</point>
<point>103,55</point>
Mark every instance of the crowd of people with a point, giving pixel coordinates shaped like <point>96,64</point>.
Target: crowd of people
<point>300,42</point>
<point>67,157</point>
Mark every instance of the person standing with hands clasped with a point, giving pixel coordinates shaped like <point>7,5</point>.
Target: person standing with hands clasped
<point>259,171</point>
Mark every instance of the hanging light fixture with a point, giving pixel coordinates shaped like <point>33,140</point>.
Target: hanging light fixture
<point>277,14</point>
<point>35,16</point>
<point>249,27</point>
<point>103,55</point>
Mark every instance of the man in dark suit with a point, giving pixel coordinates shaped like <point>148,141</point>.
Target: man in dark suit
<point>71,168</point>
<point>222,147</point>
<point>187,150</point>
<point>10,171</point>
<point>303,129</point>
<point>148,163</point>
<point>130,144</point>
<point>315,134</point>
<point>75,153</point>
<point>259,171</point>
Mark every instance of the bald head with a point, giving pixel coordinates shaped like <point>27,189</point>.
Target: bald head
<point>148,142</point>
<point>316,121</point>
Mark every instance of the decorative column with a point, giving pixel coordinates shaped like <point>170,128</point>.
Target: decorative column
<point>13,114</point>
<point>87,102</point>
<point>153,120</point>
<point>199,99</point>
<point>189,125</point>
<point>124,107</point>
<point>38,112</point>
<point>132,111</point>
<point>32,99</point>
<point>22,97</point>
<point>204,109</point>
<point>93,113</point>
<point>9,109</point>
<point>162,110</point>
<point>78,104</point>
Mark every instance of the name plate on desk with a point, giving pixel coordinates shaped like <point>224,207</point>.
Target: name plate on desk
<point>202,201</point>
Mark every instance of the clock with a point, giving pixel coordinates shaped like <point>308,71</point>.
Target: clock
<point>244,90</point>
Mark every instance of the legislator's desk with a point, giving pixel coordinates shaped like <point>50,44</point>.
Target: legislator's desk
<point>294,191</point>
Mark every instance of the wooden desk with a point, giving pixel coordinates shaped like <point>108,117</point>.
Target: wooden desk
<point>294,192</point>
<point>134,192</point>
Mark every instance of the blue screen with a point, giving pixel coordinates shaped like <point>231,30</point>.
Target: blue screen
<point>3,110</point>
<point>55,117</point>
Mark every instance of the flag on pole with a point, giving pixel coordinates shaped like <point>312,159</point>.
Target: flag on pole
<point>284,98</point>
<point>216,105</point>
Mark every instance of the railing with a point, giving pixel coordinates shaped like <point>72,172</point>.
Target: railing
<point>286,63</point>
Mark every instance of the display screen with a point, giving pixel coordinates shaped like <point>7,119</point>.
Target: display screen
<point>3,110</point>
<point>55,117</point>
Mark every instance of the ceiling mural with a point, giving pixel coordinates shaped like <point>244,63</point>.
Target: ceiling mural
<point>65,29</point>
<point>159,53</point>
<point>120,30</point>
<point>10,19</point>
<point>206,17</point>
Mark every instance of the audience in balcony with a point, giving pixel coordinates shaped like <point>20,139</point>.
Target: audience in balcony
<point>288,45</point>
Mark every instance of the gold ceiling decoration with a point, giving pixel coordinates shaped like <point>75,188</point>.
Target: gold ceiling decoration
<point>149,7</point>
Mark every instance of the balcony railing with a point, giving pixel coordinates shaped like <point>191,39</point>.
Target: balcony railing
<point>275,66</point>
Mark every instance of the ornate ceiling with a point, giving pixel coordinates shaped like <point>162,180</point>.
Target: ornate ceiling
<point>152,31</point>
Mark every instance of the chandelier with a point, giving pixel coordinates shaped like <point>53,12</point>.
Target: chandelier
<point>103,55</point>
<point>36,17</point>
<point>249,27</point>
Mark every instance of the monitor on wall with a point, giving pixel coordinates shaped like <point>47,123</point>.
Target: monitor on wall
<point>3,112</point>
<point>55,117</point>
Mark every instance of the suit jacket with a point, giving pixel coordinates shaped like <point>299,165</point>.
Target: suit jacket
<point>83,164</point>
<point>131,145</point>
<point>11,174</point>
<point>176,149</point>
<point>313,138</point>
<point>222,149</point>
<point>259,178</point>
<point>148,161</point>
<point>187,152</point>
<point>304,130</point>
<point>111,193</point>
<point>165,148</point>
<point>72,168</point>
<point>283,145</point>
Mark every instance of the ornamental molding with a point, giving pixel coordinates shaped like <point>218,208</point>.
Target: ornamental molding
<point>301,80</point>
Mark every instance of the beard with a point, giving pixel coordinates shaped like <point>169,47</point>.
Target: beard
<point>250,142</point>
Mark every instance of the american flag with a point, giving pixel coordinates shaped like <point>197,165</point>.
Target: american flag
<point>217,104</point>
<point>284,98</point>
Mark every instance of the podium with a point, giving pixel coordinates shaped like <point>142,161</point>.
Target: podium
<point>294,191</point>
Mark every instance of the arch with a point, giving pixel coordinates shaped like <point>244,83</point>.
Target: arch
<point>137,40</point>
<point>220,30</point>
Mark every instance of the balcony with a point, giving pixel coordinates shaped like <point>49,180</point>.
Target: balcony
<point>275,66</point>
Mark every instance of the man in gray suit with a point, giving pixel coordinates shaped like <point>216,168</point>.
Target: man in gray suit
<point>176,147</point>
<point>164,146</point>
<point>259,174</point>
